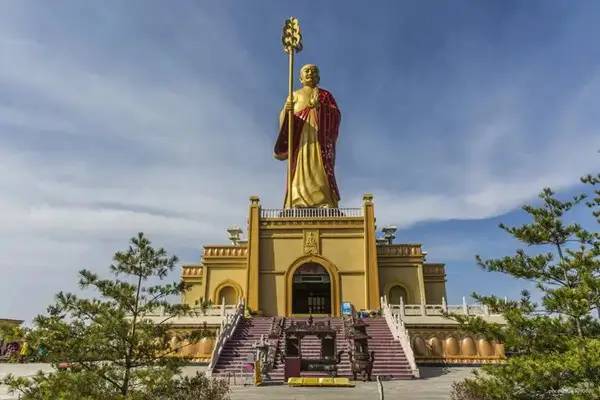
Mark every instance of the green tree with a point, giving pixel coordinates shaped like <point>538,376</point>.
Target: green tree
<point>553,346</point>
<point>116,345</point>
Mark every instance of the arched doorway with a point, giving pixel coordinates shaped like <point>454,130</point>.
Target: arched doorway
<point>311,290</point>
<point>229,294</point>
<point>396,292</point>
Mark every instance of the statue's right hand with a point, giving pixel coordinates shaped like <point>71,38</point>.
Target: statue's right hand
<point>289,106</point>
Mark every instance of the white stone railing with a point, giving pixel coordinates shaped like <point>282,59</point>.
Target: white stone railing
<point>400,333</point>
<point>224,332</point>
<point>215,310</point>
<point>310,212</point>
<point>423,310</point>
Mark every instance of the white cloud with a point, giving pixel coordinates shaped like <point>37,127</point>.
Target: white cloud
<point>92,154</point>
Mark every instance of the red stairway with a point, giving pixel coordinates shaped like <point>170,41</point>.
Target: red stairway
<point>238,351</point>
<point>390,361</point>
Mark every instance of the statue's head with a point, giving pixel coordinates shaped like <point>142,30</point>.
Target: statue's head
<point>309,75</point>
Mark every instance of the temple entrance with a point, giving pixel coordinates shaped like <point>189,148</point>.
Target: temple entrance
<point>311,290</point>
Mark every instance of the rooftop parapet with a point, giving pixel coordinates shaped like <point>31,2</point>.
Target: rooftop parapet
<point>395,250</point>
<point>225,251</point>
<point>310,213</point>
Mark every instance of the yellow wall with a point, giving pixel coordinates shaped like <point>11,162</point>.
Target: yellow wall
<point>353,290</point>
<point>339,248</point>
<point>405,276</point>
<point>221,276</point>
<point>434,291</point>
<point>272,286</point>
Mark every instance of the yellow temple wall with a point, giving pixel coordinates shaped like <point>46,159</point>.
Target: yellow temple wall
<point>193,276</point>
<point>404,276</point>
<point>434,291</point>
<point>435,282</point>
<point>220,277</point>
<point>195,293</point>
<point>338,246</point>
<point>279,250</point>
<point>353,290</point>
<point>270,286</point>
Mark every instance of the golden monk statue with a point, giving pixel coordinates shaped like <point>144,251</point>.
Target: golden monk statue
<point>316,123</point>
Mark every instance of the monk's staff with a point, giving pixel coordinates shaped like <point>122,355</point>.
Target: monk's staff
<point>292,43</point>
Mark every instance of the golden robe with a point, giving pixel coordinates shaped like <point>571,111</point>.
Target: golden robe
<point>313,159</point>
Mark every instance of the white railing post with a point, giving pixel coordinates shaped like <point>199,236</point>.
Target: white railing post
<point>465,307</point>
<point>223,306</point>
<point>402,314</point>
<point>444,305</point>
<point>486,310</point>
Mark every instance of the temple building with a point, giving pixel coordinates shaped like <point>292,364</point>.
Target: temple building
<point>311,261</point>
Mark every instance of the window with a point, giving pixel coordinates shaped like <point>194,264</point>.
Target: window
<point>395,293</point>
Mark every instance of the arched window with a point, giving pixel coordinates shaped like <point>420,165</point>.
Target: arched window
<point>229,293</point>
<point>395,293</point>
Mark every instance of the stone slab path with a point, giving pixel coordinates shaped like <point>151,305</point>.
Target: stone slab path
<point>434,384</point>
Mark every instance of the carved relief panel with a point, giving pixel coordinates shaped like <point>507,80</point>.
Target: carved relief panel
<point>311,241</point>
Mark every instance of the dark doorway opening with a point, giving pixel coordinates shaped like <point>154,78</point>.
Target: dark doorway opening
<point>311,290</point>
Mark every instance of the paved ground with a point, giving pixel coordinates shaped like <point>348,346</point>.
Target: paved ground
<point>434,385</point>
<point>19,370</point>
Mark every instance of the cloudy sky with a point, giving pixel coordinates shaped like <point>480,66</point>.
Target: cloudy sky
<point>126,116</point>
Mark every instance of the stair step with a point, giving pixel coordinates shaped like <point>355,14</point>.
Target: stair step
<point>390,360</point>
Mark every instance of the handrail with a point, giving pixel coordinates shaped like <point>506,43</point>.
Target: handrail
<point>226,330</point>
<point>209,311</point>
<point>400,333</point>
<point>310,212</point>
<point>424,310</point>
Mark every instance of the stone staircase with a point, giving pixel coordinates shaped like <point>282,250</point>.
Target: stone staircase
<point>390,361</point>
<point>238,353</point>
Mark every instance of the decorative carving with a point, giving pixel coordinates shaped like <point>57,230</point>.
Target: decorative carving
<point>225,251</point>
<point>433,269</point>
<point>399,250</point>
<point>361,359</point>
<point>467,346</point>
<point>450,346</point>
<point>328,360</point>
<point>311,242</point>
<point>285,223</point>
<point>435,346</point>
<point>191,271</point>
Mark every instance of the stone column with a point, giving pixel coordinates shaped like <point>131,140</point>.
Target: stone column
<point>371,270</point>
<point>252,285</point>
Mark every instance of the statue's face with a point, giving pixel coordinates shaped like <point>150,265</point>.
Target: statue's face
<point>309,75</point>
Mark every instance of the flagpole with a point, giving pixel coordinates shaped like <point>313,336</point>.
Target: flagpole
<point>292,43</point>
<point>290,129</point>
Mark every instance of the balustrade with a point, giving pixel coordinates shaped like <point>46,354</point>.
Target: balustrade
<point>310,212</point>
<point>225,331</point>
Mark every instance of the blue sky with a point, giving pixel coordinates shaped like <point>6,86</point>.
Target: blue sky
<point>117,117</point>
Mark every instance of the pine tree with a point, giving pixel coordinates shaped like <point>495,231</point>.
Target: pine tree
<point>553,346</point>
<point>113,347</point>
